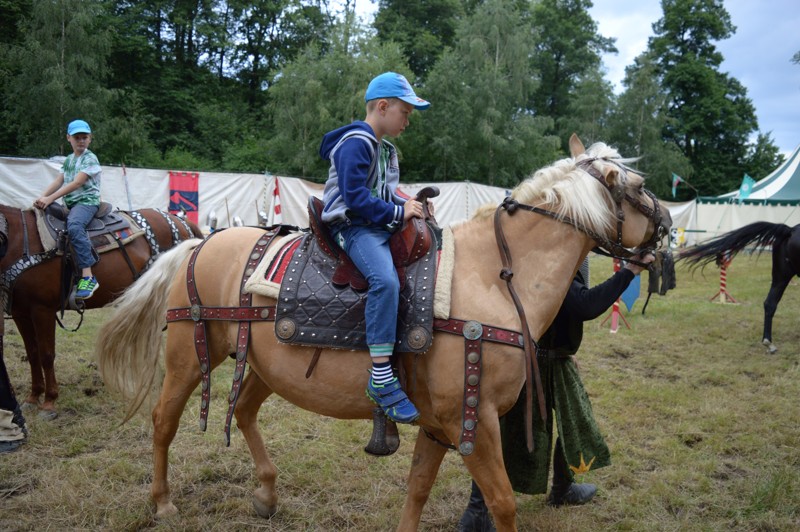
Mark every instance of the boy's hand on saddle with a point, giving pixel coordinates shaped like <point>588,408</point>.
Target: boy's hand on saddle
<point>412,209</point>
<point>42,203</point>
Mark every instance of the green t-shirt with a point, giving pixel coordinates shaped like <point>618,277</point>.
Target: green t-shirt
<point>89,193</point>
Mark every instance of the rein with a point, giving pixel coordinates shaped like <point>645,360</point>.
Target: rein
<point>531,364</point>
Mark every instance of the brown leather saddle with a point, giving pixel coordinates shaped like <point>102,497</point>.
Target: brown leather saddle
<point>323,295</point>
<point>408,245</point>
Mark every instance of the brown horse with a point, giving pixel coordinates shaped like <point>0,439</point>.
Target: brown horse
<point>577,201</point>
<point>34,279</point>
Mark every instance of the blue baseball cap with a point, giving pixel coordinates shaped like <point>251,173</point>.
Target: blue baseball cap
<point>78,126</point>
<point>394,85</point>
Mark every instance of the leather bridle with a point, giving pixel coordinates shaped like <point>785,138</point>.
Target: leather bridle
<point>606,246</point>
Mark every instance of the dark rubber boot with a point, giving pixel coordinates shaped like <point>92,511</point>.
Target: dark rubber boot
<point>476,517</point>
<point>564,491</point>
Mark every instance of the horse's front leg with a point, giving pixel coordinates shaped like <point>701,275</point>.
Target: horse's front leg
<point>252,395</point>
<point>776,290</point>
<point>38,330</point>
<point>428,456</point>
<point>488,470</point>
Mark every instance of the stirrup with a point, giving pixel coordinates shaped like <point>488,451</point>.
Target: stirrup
<point>385,439</point>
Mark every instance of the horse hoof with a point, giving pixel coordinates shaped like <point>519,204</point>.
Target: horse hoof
<point>29,407</point>
<point>772,348</point>
<point>48,415</point>
<point>262,504</point>
<point>165,511</point>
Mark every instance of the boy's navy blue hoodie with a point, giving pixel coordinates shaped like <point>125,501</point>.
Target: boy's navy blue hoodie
<point>356,190</point>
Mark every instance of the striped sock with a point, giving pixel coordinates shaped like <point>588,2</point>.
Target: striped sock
<point>381,371</point>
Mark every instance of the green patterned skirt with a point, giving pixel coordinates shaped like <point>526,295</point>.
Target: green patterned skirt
<point>584,447</point>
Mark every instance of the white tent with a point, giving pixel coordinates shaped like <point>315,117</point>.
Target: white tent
<point>227,195</point>
<point>231,195</point>
<point>775,198</point>
<point>780,186</point>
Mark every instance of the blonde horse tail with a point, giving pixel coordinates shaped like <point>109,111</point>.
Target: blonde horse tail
<point>128,345</point>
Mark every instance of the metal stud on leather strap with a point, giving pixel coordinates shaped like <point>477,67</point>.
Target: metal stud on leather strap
<point>472,374</point>
<point>472,330</point>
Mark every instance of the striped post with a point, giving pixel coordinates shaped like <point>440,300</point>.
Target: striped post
<point>723,294</point>
<point>615,314</point>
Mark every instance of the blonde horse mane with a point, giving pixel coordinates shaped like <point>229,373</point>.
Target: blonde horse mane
<point>134,378</point>
<point>569,191</point>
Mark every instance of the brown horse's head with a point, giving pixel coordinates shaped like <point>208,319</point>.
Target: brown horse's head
<point>640,222</point>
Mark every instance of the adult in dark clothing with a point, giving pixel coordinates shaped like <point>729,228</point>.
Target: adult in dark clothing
<point>579,446</point>
<point>12,424</point>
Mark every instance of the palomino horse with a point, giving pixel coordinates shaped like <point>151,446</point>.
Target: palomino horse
<point>34,279</point>
<point>785,244</point>
<point>576,203</point>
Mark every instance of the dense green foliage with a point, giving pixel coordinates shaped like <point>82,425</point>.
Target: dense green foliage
<point>252,86</point>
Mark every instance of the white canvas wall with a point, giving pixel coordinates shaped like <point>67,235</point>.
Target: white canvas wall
<point>229,195</point>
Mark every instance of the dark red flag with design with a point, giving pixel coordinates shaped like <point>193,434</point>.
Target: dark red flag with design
<point>183,195</point>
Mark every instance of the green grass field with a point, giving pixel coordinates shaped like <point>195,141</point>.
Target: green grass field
<point>703,426</point>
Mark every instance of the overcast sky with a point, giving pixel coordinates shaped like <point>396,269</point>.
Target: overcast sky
<point>758,55</point>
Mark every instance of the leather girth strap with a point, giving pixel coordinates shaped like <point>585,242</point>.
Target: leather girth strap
<point>244,314</point>
<point>531,364</point>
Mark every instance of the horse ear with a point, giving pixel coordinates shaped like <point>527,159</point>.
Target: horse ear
<point>615,184</point>
<point>575,145</point>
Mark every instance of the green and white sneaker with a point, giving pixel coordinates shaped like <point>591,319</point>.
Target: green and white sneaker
<point>87,286</point>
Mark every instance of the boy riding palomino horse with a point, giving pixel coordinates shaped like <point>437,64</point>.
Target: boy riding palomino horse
<point>547,226</point>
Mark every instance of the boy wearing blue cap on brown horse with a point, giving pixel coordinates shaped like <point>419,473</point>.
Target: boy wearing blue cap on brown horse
<point>78,183</point>
<point>362,209</point>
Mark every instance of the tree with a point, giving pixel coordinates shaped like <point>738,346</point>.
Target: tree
<point>59,71</point>
<point>567,47</point>
<point>422,28</point>
<point>272,33</point>
<point>478,126</point>
<point>636,128</point>
<point>589,108</point>
<point>318,92</point>
<point>712,117</point>
<point>14,12</point>
<point>763,157</point>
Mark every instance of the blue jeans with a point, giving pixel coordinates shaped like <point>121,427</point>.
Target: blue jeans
<point>77,220</point>
<point>368,248</point>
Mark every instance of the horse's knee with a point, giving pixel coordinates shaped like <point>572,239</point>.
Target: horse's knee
<point>504,511</point>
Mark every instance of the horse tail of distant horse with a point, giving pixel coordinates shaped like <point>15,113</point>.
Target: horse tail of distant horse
<point>129,342</point>
<point>760,234</point>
